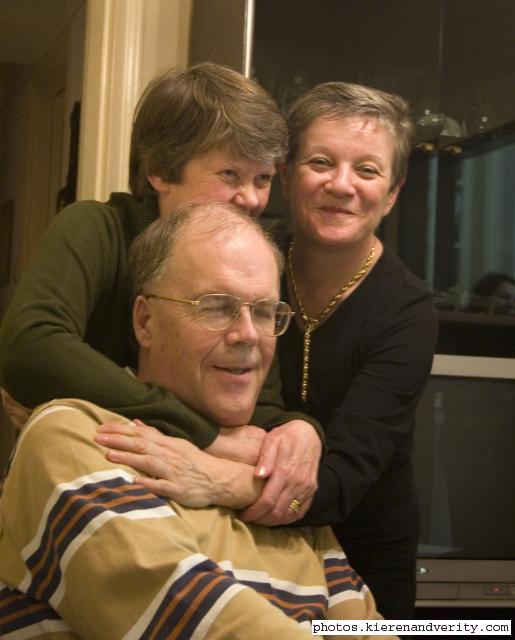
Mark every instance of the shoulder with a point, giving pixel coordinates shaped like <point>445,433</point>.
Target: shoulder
<point>72,408</point>
<point>392,286</point>
<point>112,223</point>
<point>392,271</point>
<point>83,221</point>
<point>393,298</point>
<point>91,212</point>
<point>64,417</point>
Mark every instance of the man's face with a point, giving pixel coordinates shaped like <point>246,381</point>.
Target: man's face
<point>218,176</point>
<point>218,373</point>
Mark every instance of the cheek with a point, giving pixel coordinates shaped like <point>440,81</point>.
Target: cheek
<point>376,199</point>
<point>208,188</point>
<point>306,185</point>
<point>263,195</point>
<point>204,348</point>
<point>267,352</point>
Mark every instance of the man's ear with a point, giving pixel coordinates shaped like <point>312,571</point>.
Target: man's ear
<point>160,186</point>
<point>142,321</point>
<point>285,175</point>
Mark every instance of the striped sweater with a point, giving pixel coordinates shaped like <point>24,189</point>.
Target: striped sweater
<point>87,553</point>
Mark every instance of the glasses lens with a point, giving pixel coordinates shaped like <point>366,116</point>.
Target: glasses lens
<point>282,318</point>
<point>217,310</point>
<point>270,317</point>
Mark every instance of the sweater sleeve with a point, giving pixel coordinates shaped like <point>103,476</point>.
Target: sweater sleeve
<point>74,294</point>
<point>367,434</point>
<point>66,331</point>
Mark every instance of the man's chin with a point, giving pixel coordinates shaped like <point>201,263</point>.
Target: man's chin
<point>235,419</point>
<point>233,411</point>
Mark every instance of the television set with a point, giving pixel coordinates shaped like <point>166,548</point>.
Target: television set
<point>464,462</point>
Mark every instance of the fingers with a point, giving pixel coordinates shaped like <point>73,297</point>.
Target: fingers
<point>290,457</point>
<point>16,412</point>
<point>148,464</point>
<point>267,457</point>
<point>134,451</point>
<point>126,441</point>
<point>133,428</point>
<point>271,520</point>
<point>274,502</point>
<point>264,512</point>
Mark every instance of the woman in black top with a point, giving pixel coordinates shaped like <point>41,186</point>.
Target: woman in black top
<point>361,348</point>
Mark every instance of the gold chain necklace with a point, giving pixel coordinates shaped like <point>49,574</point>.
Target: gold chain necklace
<point>313,323</point>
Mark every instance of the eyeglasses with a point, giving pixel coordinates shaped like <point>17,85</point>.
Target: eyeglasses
<point>217,311</point>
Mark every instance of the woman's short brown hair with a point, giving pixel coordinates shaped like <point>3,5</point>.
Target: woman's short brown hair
<point>342,100</point>
<point>183,114</point>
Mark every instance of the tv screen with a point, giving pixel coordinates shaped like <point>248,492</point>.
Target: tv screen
<point>465,468</point>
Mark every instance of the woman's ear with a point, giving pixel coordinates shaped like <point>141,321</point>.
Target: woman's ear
<point>142,321</point>
<point>391,199</point>
<point>160,186</point>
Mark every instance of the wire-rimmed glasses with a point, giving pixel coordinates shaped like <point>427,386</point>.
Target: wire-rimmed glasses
<point>217,311</point>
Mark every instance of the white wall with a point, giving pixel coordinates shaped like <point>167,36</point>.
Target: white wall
<point>127,42</point>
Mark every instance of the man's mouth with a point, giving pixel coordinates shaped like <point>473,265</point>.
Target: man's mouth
<point>237,371</point>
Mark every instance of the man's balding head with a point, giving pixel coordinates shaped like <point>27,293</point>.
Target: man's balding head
<point>204,249</point>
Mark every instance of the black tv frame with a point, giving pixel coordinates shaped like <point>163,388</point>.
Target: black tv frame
<point>456,582</point>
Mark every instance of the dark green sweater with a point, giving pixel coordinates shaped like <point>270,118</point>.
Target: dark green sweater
<point>66,332</point>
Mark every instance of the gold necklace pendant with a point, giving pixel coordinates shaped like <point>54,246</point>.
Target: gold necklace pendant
<point>310,324</point>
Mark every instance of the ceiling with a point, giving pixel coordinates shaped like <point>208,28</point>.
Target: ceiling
<point>28,27</point>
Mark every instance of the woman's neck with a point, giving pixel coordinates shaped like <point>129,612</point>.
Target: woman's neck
<point>320,272</point>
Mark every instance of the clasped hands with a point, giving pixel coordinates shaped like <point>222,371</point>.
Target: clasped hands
<point>246,468</point>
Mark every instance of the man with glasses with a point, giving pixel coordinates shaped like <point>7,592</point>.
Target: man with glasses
<point>204,134</point>
<point>87,551</point>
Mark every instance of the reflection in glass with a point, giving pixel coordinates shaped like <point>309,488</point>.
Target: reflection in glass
<point>455,218</point>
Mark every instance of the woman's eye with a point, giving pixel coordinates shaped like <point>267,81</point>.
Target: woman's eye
<point>369,171</point>
<point>229,175</point>
<point>264,180</point>
<point>319,164</point>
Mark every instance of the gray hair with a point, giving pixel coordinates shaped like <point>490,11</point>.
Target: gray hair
<point>342,100</point>
<point>153,249</point>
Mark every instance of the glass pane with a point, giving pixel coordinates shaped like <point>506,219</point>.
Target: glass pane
<point>454,223</point>
<point>463,464</point>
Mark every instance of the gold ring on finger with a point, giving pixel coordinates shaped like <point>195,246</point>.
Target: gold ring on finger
<point>295,505</point>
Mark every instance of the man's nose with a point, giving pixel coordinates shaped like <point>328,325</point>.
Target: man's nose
<point>243,329</point>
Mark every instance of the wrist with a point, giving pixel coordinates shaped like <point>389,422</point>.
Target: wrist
<point>234,485</point>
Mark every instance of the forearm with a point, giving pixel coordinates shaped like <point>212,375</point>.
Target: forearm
<point>74,370</point>
<point>370,434</point>
<point>234,484</point>
<point>47,360</point>
<point>67,297</point>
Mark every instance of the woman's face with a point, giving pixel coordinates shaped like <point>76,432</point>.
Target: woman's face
<point>338,186</point>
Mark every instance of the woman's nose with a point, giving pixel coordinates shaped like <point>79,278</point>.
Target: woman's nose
<point>247,198</point>
<point>341,181</point>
